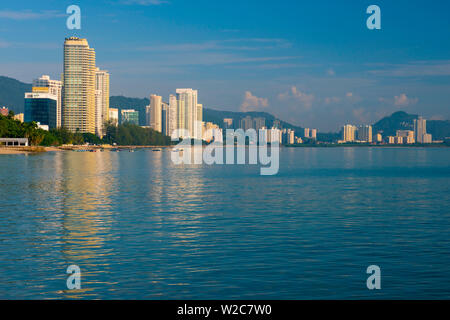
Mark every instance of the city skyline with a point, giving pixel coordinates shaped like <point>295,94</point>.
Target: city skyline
<point>324,72</point>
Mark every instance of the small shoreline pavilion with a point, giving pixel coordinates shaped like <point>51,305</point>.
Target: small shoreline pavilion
<point>14,142</point>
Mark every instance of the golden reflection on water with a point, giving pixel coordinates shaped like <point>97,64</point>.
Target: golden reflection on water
<point>85,183</point>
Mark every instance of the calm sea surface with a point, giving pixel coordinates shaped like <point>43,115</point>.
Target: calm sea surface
<point>140,227</point>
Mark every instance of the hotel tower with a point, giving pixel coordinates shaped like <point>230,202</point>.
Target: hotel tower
<point>78,112</point>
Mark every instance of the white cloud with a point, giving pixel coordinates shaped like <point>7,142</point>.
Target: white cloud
<point>404,101</point>
<point>252,103</point>
<point>413,69</point>
<point>305,99</point>
<point>30,15</point>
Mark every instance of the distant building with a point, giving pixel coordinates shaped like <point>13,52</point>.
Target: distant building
<point>407,135</point>
<point>42,108</point>
<point>398,140</point>
<point>164,118</point>
<point>129,116</point>
<point>306,133</point>
<point>210,130</point>
<point>172,115</point>
<point>189,103</point>
<point>43,126</point>
<point>365,134</point>
<point>378,138</point>
<point>348,133</point>
<point>390,139</point>
<point>246,123</point>
<point>228,123</point>
<point>420,129</point>
<point>20,117</point>
<point>314,134</point>
<point>259,123</point>
<point>199,112</point>
<point>156,112</point>
<point>276,124</point>
<point>4,111</point>
<point>101,100</point>
<point>427,138</point>
<point>290,136</point>
<point>148,116</point>
<point>53,87</point>
<point>114,116</point>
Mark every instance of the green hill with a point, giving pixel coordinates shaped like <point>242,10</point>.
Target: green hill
<point>12,93</point>
<point>401,120</point>
<point>137,104</point>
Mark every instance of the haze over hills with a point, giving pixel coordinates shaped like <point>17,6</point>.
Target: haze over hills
<point>12,94</point>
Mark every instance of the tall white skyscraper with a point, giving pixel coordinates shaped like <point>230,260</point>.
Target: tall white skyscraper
<point>348,133</point>
<point>101,100</point>
<point>156,112</point>
<point>78,109</point>
<point>420,129</point>
<point>54,88</point>
<point>314,134</point>
<point>190,97</point>
<point>172,115</point>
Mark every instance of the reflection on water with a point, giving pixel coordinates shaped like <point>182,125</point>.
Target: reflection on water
<point>140,227</point>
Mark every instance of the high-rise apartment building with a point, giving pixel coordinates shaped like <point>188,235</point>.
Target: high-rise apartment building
<point>365,133</point>
<point>190,97</point>
<point>314,134</point>
<point>54,88</point>
<point>101,100</point>
<point>78,107</point>
<point>306,133</point>
<point>172,115</point>
<point>420,129</point>
<point>348,133</point>
<point>156,112</point>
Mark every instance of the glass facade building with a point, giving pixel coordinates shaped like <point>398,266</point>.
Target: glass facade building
<point>41,108</point>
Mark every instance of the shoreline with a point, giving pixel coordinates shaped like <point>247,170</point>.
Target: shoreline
<point>39,149</point>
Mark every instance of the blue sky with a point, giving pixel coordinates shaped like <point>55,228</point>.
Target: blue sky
<point>312,63</point>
